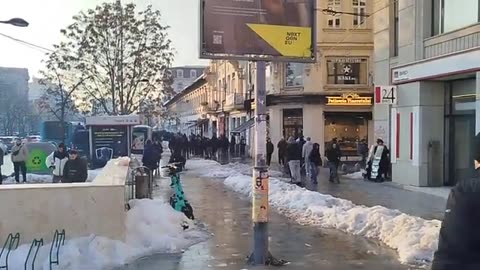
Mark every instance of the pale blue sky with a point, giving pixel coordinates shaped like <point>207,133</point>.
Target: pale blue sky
<point>47,17</point>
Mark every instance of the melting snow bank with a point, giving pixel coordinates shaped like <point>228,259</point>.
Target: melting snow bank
<point>414,238</point>
<point>152,227</point>
<point>211,168</point>
<point>47,178</point>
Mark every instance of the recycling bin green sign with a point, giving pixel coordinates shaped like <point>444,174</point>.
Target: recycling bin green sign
<point>37,155</point>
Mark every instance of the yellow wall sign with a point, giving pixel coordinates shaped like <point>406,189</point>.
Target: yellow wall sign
<point>349,100</point>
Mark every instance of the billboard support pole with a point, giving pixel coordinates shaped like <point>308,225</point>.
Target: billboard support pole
<point>261,254</point>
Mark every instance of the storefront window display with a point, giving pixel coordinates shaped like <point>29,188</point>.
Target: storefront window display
<point>348,129</point>
<point>292,123</point>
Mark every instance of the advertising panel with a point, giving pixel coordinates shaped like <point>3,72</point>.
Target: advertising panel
<point>280,30</point>
<point>110,141</point>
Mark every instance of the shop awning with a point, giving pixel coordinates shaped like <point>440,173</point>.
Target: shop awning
<point>201,122</point>
<point>247,125</point>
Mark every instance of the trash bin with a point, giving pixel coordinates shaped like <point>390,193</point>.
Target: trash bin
<point>143,185</point>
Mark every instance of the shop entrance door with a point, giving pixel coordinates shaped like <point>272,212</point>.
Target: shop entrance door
<point>460,143</point>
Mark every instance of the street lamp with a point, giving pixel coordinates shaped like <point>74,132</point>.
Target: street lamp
<point>16,22</point>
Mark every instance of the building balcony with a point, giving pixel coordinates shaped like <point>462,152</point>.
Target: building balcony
<point>234,102</point>
<point>209,108</point>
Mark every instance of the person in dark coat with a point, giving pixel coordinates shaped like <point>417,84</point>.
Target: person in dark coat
<point>333,156</point>
<point>294,157</point>
<point>75,170</point>
<point>384,161</point>
<point>232,145</point>
<point>214,143</point>
<point>243,146</point>
<point>315,160</point>
<point>1,164</point>
<point>459,239</point>
<point>270,149</point>
<point>151,156</point>
<point>282,151</point>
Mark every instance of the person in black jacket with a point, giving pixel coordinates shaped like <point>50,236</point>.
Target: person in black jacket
<point>333,156</point>
<point>315,160</point>
<point>294,157</point>
<point>1,164</point>
<point>282,150</point>
<point>75,170</point>
<point>269,151</point>
<point>459,239</point>
<point>151,156</point>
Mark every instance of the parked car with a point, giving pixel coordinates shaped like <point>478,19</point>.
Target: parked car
<point>34,138</point>
<point>9,141</point>
<point>4,148</point>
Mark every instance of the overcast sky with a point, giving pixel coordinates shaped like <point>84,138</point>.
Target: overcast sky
<point>47,17</point>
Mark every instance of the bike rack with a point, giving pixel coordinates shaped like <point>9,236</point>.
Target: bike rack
<point>58,241</point>
<point>36,244</point>
<point>12,241</point>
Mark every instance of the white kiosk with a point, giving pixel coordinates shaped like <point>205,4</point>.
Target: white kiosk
<point>110,136</point>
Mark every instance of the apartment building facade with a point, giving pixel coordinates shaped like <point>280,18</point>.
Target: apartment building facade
<point>331,98</point>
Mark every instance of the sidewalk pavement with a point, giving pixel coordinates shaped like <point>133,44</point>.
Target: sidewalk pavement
<point>428,203</point>
<point>227,216</point>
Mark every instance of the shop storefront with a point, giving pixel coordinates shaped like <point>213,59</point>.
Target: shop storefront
<point>348,119</point>
<point>433,127</point>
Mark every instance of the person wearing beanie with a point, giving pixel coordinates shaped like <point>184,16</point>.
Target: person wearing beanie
<point>56,162</point>
<point>459,239</point>
<point>75,170</point>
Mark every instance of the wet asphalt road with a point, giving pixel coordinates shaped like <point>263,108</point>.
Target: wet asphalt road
<point>227,216</point>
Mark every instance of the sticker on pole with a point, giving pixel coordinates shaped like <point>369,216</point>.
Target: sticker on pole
<point>386,94</point>
<point>260,196</point>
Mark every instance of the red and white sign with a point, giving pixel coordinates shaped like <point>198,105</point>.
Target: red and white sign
<point>386,94</point>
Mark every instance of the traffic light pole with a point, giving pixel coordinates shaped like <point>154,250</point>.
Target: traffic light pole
<point>260,207</point>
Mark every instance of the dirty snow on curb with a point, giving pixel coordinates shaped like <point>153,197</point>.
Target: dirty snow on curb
<point>211,168</point>
<point>152,226</point>
<point>414,238</point>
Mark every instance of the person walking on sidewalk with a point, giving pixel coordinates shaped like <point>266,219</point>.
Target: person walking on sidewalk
<point>333,156</point>
<point>56,162</point>
<point>19,156</point>
<point>294,157</point>
<point>306,149</point>
<point>315,160</point>
<point>269,151</point>
<point>282,150</point>
<point>459,239</point>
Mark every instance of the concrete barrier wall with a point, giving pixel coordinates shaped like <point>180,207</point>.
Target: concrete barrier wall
<point>82,209</point>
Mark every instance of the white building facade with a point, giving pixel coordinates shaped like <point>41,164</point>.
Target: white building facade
<point>430,51</point>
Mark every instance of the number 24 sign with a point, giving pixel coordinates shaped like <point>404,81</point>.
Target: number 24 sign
<point>386,94</point>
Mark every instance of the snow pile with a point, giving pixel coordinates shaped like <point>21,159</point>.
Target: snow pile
<point>213,169</point>
<point>47,178</point>
<point>152,227</point>
<point>355,175</point>
<point>414,238</point>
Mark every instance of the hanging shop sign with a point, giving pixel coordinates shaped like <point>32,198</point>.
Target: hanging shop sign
<point>349,100</point>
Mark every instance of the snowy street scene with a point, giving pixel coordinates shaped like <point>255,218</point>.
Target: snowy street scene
<point>239,135</point>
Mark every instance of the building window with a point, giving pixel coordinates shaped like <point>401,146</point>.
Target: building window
<point>179,73</point>
<point>334,21</point>
<point>193,74</point>
<point>294,74</point>
<point>449,15</point>
<point>360,8</point>
<point>347,71</point>
<point>292,123</point>
<point>396,27</point>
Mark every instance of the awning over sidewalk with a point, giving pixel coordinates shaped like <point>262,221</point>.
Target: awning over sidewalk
<point>201,122</point>
<point>247,125</point>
